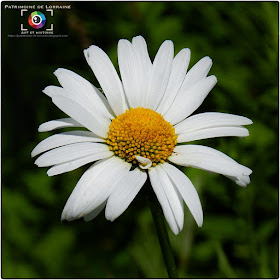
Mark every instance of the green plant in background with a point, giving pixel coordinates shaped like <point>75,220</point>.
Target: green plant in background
<point>239,235</point>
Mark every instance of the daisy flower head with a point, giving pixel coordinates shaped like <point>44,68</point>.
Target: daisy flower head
<point>136,131</point>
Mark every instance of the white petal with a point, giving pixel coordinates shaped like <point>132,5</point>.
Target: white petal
<point>163,200</point>
<point>209,120</point>
<point>94,187</point>
<point>187,190</point>
<point>124,193</point>
<point>145,66</point>
<point>81,91</point>
<point>212,132</point>
<point>145,162</point>
<point>241,181</point>
<point>160,74</point>
<point>173,196</point>
<point>65,138</point>
<point>74,164</point>
<point>105,102</point>
<point>197,73</point>
<point>107,77</point>
<point>69,153</point>
<point>178,72</point>
<point>53,90</point>
<point>186,102</point>
<point>211,160</point>
<point>97,124</point>
<point>91,215</point>
<point>129,69</point>
<point>60,123</point>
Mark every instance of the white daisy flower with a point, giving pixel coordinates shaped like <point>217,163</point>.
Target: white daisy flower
<point>137,131</point>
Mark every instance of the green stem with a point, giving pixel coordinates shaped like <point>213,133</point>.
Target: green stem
<point>160,225</point>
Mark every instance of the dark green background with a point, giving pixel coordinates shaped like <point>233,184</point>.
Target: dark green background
<point>239,237</point>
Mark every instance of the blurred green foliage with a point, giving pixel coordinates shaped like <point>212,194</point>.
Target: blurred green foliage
<point>239,237</point>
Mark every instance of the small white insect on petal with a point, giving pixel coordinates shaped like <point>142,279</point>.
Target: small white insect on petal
<point>145,163</point>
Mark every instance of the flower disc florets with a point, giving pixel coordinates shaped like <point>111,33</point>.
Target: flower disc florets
<point>142,132</point>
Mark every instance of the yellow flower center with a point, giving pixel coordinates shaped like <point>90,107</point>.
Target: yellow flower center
<point>141,132</point>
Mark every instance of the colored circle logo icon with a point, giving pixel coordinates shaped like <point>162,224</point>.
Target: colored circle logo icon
<point>37,20</point>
